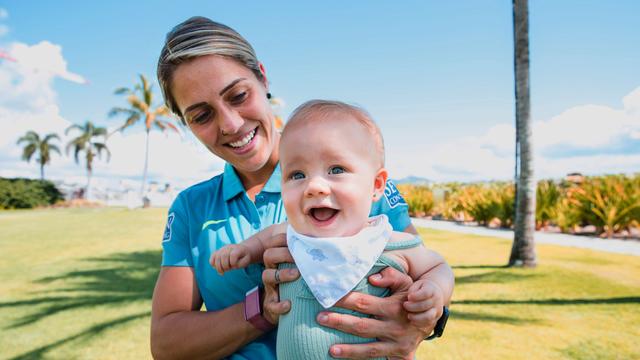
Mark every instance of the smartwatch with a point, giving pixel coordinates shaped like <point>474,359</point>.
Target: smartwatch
<point>253,310</point>
<point>442,322</point>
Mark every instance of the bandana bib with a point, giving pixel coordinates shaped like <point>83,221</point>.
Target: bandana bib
<point>333,266</point>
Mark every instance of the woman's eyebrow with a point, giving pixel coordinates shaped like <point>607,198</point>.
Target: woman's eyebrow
<point>226,88</point>
<point>194,106</point>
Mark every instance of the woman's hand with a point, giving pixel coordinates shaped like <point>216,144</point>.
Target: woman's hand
<point>398,336</point>
<point>276,252</point>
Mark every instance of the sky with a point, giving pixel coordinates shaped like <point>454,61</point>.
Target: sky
<point>436,75</point>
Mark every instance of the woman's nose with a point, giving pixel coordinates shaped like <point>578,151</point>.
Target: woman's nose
<point>317,186</point>
<point>229,122</point>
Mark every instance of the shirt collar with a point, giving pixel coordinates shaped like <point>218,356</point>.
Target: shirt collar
<point>232,186</point>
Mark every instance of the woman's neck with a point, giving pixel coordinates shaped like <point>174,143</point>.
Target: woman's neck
<point>253,182</point>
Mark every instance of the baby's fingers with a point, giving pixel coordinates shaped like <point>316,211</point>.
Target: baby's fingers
<point>426,319</point>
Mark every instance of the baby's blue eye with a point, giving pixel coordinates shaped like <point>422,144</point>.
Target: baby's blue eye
<point>335,170</point>
<point>297,175</point>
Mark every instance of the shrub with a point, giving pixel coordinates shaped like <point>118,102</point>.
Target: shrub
<point>479,202</point>
<point>547,198</point>
<point>26,193</point>
<point>419,199</point>
<point>611,203</point>
<point>503,195</point>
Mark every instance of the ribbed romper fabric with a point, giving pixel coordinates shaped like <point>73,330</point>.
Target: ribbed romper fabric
<point>300,336</point>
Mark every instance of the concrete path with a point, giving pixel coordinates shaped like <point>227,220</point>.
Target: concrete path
<point>628,247</point>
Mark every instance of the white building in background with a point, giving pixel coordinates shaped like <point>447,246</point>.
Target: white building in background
<point>122,193</point>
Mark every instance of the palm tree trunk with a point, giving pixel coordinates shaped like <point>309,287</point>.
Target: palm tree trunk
<point>87,192</point>
<point>146,164</point>
<point>523,251</point>
<point>42,172</point>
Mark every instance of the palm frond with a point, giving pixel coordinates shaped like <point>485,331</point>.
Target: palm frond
<point>102,147</point>
<point>28,152</point>
<point>54,148</point>
<point>119,110</point>
<point>71,127</point>
<point>122,90</point>
<point>50,137</point>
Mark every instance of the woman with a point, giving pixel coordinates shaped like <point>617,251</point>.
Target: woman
<point>212,80</point>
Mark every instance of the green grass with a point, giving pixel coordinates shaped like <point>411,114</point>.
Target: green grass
<point>78,283</point>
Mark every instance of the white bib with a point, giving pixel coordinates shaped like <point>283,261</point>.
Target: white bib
<point>333,266</point>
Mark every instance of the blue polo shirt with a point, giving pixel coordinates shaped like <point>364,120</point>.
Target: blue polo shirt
<point>217,212</point>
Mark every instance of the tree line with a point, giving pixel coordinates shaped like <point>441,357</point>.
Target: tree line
<point>90,141</point>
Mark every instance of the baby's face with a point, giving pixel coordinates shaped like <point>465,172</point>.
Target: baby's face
<point>329,176</point>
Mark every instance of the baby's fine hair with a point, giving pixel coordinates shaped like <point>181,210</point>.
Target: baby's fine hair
<point>317,110</point>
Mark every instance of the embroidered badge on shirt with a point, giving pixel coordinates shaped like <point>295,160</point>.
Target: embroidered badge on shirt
<point>393,196</point>
<point>167,231</point>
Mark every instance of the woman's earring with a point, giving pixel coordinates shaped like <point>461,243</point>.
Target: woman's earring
<point>268,95</point>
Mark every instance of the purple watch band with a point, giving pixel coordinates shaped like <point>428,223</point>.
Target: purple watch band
<point>253,310</point>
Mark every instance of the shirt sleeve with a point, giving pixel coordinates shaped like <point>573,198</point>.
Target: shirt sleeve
<point>175,240</point>
<point>393,205</point>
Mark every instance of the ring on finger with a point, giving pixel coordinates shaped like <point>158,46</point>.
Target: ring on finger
<point>277,276</point>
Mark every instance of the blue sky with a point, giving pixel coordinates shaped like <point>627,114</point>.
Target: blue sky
<point>437,76</point>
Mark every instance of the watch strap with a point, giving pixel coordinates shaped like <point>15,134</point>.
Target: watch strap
<point>442,322</point>
<point>253,310</point>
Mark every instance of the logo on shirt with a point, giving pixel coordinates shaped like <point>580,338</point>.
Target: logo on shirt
<point>393,196</point>
<point>167,231</point>
<point>212,222</point>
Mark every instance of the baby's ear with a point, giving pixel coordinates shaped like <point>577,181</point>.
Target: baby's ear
<point>379,183</point>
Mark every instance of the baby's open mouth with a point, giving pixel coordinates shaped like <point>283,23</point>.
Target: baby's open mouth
<point>323,213</point>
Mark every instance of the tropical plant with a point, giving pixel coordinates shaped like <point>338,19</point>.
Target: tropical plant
<point>611,203</point>
<point>140,107</point>
<point>44,147</point>
<point>523,249</point>
<point>85,142</point>
<point>548,195</point>
<point>504,196</point>
<point>478,202</point>
<point>418,198</point>
<point>568,216</point>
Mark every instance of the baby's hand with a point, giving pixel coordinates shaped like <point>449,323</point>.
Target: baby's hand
<point>425,303</point>
<point>229,257</point>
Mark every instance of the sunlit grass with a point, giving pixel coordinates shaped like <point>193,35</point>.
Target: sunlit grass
<point>577,304</point>
<point>78,283</point>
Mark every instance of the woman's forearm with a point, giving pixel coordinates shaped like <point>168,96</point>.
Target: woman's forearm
<point>201,335</point>
<point>180,330</point>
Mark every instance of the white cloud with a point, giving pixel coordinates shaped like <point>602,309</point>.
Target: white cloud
<point>591,139</point>
<point>28,102</point>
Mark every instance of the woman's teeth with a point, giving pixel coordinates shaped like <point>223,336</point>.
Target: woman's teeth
<point>244,141</point>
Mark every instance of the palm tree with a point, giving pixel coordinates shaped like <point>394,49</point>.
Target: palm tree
<point>140,101</point>
<point>523,250</point>
<point>85,142</point>
<point>43,147</point>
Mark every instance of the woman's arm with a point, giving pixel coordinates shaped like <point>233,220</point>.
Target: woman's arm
<point>180,330</point>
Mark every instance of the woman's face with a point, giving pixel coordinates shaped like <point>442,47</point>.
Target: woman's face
<point>226,108</point>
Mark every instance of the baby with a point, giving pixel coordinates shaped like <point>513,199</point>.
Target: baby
<point>332,162</point>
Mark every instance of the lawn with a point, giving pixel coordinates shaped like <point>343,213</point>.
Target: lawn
<point>77,284</point>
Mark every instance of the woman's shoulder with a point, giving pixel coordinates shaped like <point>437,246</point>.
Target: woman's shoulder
<point>203,186</point>
<point>202,189</point>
